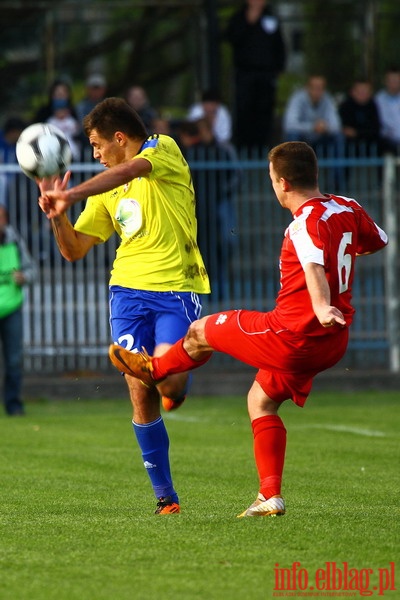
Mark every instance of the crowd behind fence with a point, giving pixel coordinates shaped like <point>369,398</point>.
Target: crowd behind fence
<point>66,310</point>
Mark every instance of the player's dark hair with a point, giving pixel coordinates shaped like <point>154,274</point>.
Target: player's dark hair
<point>114,114</point>
<point>297,163</point>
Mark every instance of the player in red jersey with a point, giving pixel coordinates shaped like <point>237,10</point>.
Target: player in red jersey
<point>306,332</point>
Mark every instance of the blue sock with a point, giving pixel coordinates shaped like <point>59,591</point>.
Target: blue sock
<point>154,444</point>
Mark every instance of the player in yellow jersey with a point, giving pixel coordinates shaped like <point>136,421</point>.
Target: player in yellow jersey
<point>146,196</point>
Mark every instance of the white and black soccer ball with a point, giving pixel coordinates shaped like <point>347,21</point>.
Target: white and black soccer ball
<point>42,151</point>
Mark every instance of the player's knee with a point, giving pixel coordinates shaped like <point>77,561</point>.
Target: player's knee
<point>191,337</point>
<point>259,403</point>
<point>195,331</point>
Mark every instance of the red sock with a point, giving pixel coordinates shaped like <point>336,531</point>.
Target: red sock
<point>176,360</point>
<point>269,451</point>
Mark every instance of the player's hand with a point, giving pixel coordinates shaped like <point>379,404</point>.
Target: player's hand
<point>54,196</point>
<point>331,316</point>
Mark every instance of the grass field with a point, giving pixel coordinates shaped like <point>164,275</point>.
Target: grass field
<point>76,506</point>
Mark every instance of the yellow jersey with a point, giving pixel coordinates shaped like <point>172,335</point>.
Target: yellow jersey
<point>156,221</point>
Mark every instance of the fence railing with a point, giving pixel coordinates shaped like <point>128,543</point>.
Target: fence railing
<point>240,233</point>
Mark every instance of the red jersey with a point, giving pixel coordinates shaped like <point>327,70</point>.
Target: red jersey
<point>328,231</point>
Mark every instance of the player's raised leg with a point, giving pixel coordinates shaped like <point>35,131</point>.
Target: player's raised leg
<point>186,354</point>
<point>173,389</point>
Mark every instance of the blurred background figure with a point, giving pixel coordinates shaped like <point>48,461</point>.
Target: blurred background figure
<point>96,91</point>
<point>311,116</point>
<point>17,269</point>
<point>360,120</point>
<point>136,96</point>
<point>216,188</point>
<point>259,56</point>
<point>388,102</point>
<point>9,134</point>
<point>189,138</point>
<point>162,125</point>
<point>63,118</point>
<point>59,110</point>
<point>217,114</point>
<point>59,94</point>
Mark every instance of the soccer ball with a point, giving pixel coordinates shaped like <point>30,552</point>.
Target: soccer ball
<point>42,151</point>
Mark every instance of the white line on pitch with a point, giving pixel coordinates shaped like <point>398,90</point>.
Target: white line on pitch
<point>345,429</point>
<point>177,417</point>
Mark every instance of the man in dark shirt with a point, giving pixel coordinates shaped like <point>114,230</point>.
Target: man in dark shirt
<point>360,120</point>
<point>259,56</point>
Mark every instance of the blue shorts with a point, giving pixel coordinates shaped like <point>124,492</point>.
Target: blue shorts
<point>140,318</point>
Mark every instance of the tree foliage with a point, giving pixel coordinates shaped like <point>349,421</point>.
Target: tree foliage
<point>345,39</point>
<point>165,45</point>
<point>328,42</point>
<point>154,46</point>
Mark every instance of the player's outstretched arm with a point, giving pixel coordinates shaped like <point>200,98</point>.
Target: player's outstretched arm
<point>320,295</point>
<point>57,200</point>
<point>72,244</point>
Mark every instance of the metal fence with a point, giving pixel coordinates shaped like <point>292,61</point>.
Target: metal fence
<point>66,309</point>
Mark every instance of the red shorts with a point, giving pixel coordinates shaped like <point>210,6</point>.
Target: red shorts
<point>287,361</point>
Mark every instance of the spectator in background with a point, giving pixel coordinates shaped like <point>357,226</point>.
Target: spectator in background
<point>215,189</point>
<point>9,135</point>
<point>60,111</point>
<point>162,125</point>
<point>189,138</point>
<point>136,97</point>
<point>218,115</point>
<point>311,116</point>
<point>96,90</point>
<point>259,56</point>
<point>388,102</point>
<point>60,93</point>
<point>17,268</point>
<point>64,119</point>
<point>360,120</point>
<point>12,129</point>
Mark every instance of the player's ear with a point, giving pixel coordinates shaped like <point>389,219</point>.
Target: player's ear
<point>286,187</point>
<point>120,138</point>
